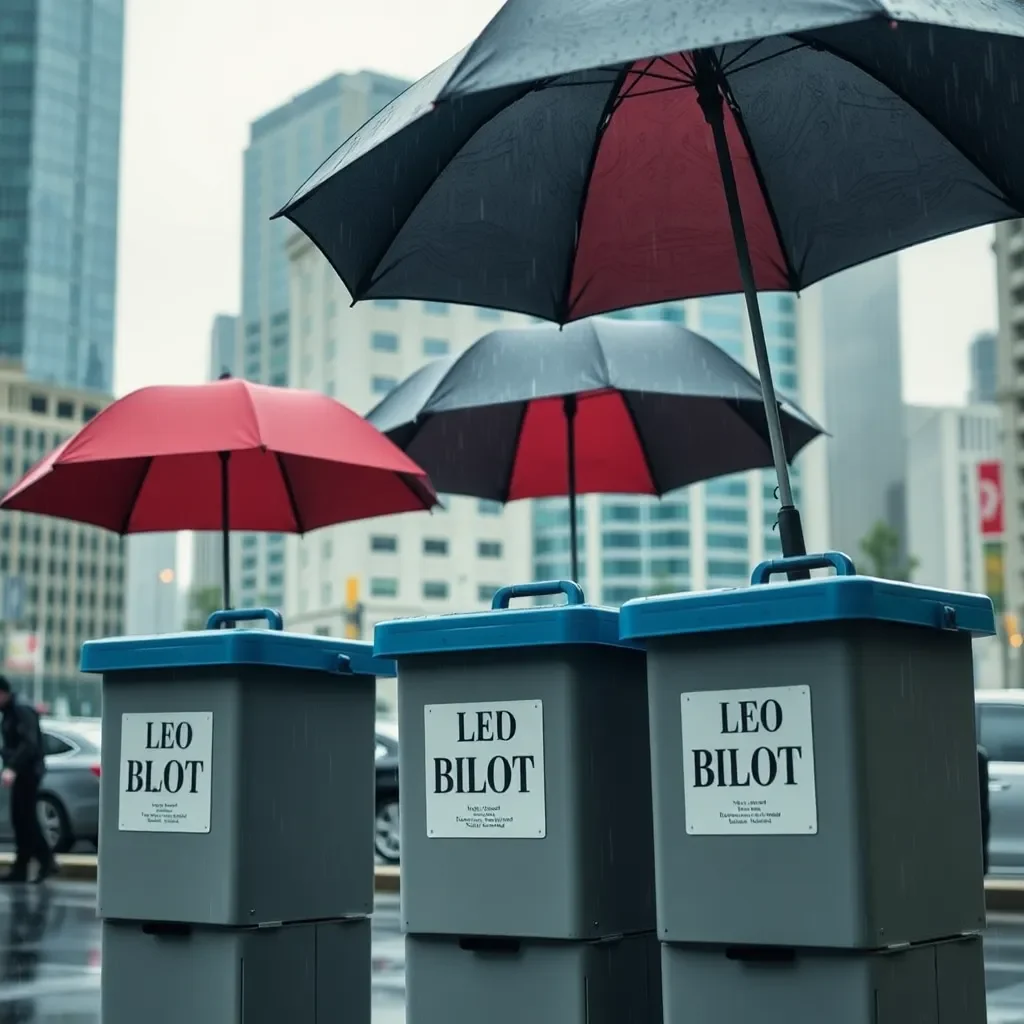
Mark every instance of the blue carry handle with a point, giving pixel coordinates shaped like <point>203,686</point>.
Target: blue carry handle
<point>842,564</point>
<point>233,615</point>
<point>545,588</point>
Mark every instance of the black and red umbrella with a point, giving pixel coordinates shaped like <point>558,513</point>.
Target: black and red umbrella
<point>225,456</point>
<point>587,155</point>
<point>643,408</point>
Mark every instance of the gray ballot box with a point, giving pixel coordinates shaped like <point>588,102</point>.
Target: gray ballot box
<point>527,850</point>
<point>223,747</point>
<point>815,783</point>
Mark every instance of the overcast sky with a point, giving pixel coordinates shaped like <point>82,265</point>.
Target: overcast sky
<point>198,71</point>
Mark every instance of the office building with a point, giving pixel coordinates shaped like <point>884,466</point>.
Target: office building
<point>866,449</point>
<point>711,534</point>
<point>285,146</point>
<point>207,547</point>
<point>982,369</point>
<point>342,580</point>
<point>1009,251</point>
<point>955,536</point>
<point>68,579</point>
<point>153,600</point>
<point>60,123</point>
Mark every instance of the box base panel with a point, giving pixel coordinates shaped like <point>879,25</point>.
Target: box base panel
<point>934,983</point>
<point>614,981</point>
<point>316,973</point>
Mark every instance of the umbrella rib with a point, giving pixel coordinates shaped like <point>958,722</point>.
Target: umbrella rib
<point>290,491</point>
<point>565,300</point>
<point>815,44</point>
<point>791,274</point>
<point>126,522</point>
<point>640,441</point>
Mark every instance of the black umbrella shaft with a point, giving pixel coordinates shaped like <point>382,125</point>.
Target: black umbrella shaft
<point>225,525</point>
<point>708,77</point>
<point>569,405</point>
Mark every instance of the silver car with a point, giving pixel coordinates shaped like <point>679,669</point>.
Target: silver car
<point>1000,724</point>
<point>69,797</point>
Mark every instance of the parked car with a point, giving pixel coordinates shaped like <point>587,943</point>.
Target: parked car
<point>69,797</point>
<point>386,839</point>
<point>1000,726</point>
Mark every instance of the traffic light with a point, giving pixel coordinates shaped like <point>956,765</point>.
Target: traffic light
<point>353,610</point>
<point>1011,625</point>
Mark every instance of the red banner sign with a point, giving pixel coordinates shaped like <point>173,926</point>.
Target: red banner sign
<point>990,498</point>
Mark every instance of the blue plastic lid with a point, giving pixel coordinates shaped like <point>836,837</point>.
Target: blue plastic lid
<point>843,597</point>
<point>235,647</point>
<point>574,623</point>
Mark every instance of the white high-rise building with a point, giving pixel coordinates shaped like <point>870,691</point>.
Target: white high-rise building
<point>945,447</point>
<point>712,534</point>
<point>342,580</point>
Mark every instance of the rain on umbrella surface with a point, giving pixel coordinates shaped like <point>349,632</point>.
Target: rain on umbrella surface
<point>587,155</point>
<point>644,408</point>
<point>224,456</point>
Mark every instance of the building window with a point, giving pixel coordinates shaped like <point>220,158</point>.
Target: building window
<point>622,567</point>
<point>326,593</point>
<point>489,508</point>
<point>673,314</point>
<point>38,403</point>
<point>384,341</point>
<point>550,545</point>
<point>435,347</point>
<point>620,540</point>
<point>670,538</point>
<point>619,595</point>
<point>435,546</point>
<point>620,514</point>
<point>436,308</point>
<point>670,567</point>
<point>722,514</point>
<point>723,567</point>
<point>727,488</point>
<point>669,510</point>
<point>383,586</point>
<point>249,541</point>
<point>485,591</point>
<point>488,549</point>
<point>382,385</point>
<point>714,322</point>
<point>435,590</point>
<point>488,314</point>
<point>731,541</point>
<point>384,544</point>
<point>787,381</point>
<point>386,303</point>
<point>326,549</point>
<point>66,410</point>
<point>772,544</point>
<point>88,412</point>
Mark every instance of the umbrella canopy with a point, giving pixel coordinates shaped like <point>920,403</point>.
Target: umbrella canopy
<point>644,408</point>
<point>228,455</point>
<point>587,155</point>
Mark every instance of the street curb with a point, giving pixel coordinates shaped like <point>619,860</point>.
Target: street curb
<point>1002,895</point>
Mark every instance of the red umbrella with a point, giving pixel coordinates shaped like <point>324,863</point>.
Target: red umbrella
<point>228,455</point>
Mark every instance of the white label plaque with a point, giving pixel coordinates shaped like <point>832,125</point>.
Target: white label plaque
<point>485,770</point>
<point>748,762</point>
<point>165,772</point>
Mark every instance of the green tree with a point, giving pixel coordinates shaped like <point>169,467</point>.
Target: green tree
<point>202,603</point>
<point>881,547</point>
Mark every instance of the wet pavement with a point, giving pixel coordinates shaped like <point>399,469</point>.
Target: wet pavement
<point>50,959</point>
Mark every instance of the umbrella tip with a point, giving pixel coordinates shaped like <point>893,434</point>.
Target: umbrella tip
<point>225,375</point>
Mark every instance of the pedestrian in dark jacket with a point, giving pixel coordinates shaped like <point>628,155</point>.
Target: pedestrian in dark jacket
<point>21,749</point>
<point>983,793</point>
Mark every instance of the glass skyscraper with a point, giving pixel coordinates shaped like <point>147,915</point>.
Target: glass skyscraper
<point>705,536</point>
<point>286,145</point>
<point>61,65</point>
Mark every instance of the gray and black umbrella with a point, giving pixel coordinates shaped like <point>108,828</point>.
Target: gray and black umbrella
<point>643,408</point>
<point>587,155</point>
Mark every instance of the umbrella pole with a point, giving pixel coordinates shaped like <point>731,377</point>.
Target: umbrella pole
<point>709,95</point>
<point>569,406</point>
<point>225,525</point>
